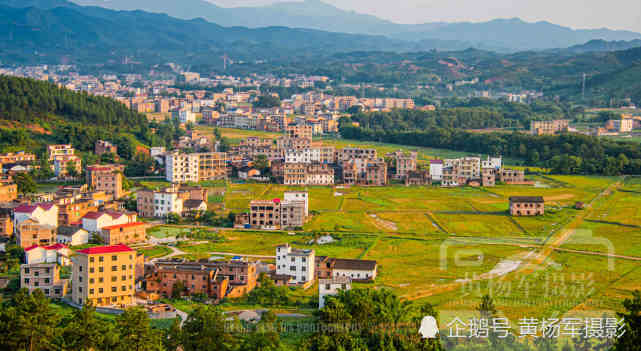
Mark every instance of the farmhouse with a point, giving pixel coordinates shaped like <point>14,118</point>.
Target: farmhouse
<point>527,206</point>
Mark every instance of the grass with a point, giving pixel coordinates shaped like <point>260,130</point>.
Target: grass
<point>155,251</point>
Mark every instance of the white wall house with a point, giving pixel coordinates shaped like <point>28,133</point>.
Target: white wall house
<point>357,270</point>
<point>299,264</point>
<point>72,236</point>
<point>492,162</point>
<point>298,196</point>
<point>331,287</point>
<point>57,253</point>
<point>93,222</point>
<point>44,213</point>
<point>166,203</point>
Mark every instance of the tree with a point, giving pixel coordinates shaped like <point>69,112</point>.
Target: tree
<point>71,170</point>
<point>204,329</point>
<point>267,101</point>
<point>631,338</point>
<point>173,338</point>
<point>261,162</point>
<point>173,218</point>
<point>136,333</point>
<point>83,331</point>
<point>26,184</point>
<point>27,322</point>
<point>265,337</point>
<point>178,289</point>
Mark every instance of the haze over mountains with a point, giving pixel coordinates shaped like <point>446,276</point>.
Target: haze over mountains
<point>500,35</point>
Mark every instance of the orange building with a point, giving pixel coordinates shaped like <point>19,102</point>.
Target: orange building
<point>104,275</point>
<point>128,233</point>
<point>107,178</point>
<point>33,233</point>
<point>8,192</point>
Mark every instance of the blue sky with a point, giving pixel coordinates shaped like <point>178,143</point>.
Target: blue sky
<point>614,14</point>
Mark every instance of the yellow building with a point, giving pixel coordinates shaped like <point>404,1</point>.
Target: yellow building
<point>105,275</point>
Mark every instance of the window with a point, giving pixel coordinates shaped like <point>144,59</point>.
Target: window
<point>114,258</point>
<point>101,269</point>
<point>91,270</point>
<point>114,289</point>
<point>124,277</point>
<point>90,291</point>
<point>101,279</point>
<point>123,288</point>
<point>114,268</point>
<point>90,280</point>
<point>26,270</point>
<point>327,287</point>
<point>124,267</point>
<point>26,280</point>
<point>113,279</point>
<point>79,268</point>
<point>101,259</point>
<point>91,259</point>
<point>100,290</point>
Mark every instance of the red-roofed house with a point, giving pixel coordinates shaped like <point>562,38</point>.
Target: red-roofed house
<point>104,275</point>
<point>93,222</point>
<point>42,213</point>
<point>128,233</point>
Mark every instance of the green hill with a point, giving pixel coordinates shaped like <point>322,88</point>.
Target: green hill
<point>35,113</point>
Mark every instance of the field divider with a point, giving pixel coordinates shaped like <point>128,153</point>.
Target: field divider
<point>431,217</point>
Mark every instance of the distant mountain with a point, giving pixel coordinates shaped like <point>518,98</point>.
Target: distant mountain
<point>500,34</point>
<point>603,45</point>
<point>75,33</point>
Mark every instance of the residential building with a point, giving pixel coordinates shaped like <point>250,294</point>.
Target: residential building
<point>62,165</point>
<point>418,177</point>
<point>62,150</point>
<point>107,178</point>
<point>181,167</point>
<point>167,201</point>
<point>299,264</point>
<point>158,154</point>
<point>8,192</point>
<point>511,176</point>
<point>105,147</point>
<point>549,127</point>
<point>41,213</point>
<point>128,233</point>
<point>93,222</point>
<point>213,166</point>
<point>104,275</point>
<point>43,276</point>
<point>298,196</point>
<point>488,176</point>
<point>436,170</point>
<point>331,287</point>
<point>356,270</point>
<point>292,214</point>
<point>527,206</point>
<point>32,233</point>
<point>298,156</point>
<point>72,236</point>
<point>350,153</point>
<point>323,154</point>
<point>145,203</point>
<point>624,125</point>
<point>492,162</point>
<point>56,253</point>
<point>265,214</point>
<point>6,226</point>
<point>405,162</point>
<point>184,116</point>
<point>71,213</point>
<point>299,131</point>
<point>17,157</point>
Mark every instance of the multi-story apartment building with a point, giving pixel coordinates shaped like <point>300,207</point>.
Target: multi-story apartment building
<point>8,192</point>
<point>292,214</point>
<point>145,203</point>
<point>61,150</point>
<point>160,203</point>
<point>488,176</point>
<point>527,206</point>
<point>181,168</point>
<point>549,127</point>
<point>6,226</point>
<point>365,171</point>
<point>129,233</point>
<point>298,156</point>
<point>376,173</point>
<point>405,162</point>
<point>298,264</point>
<point>294,173</point>
<point>323,154</point>
<point>32,233</point>
<point>298,196</point>
<point>299,131</point>
<point>17,157</point>
<point>350,153</point>
<point>43,276</point>
<point>71,213</point>
<point>107,178</point>
<point>436,170</point>
<point>105,147</point>
<point>265,214</point>
<point>460,171</point>
<point>62,165</point>
<point>213,166</point>
<point>319,174</point>
<point>104,275</point>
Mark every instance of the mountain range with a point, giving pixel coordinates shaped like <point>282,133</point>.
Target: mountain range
<point>499,35</point>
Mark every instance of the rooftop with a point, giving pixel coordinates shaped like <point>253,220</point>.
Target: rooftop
<point>538,199</point>
<point>105,249</point>
<point>361,265</point>
<point>126,225</point>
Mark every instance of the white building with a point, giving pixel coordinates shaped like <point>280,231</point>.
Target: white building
<point>298,196</point>
<point>166,202</point>
<point>298,156</point>
<point>331,287</point>
<point>72,236</point>
<point>299,264</point>
<point>181,168</point>
<point>324,178</point>
<point>184,116</point>
<point>57,253</point>
<point>436,170</point>
<point>492,162</point>
<point>93,222</point>
<point>43,213</point>
<point>357,270</point>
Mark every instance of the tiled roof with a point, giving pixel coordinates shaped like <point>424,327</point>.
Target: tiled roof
<point>30,248</point>
<point>93,215</point>
<point>126,225</point>
<point>105,249</point>
<point>526,199</point>
<point>57,246</point>
<point>359,265</point>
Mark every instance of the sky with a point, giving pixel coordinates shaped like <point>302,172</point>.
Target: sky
<point>613,14</point>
